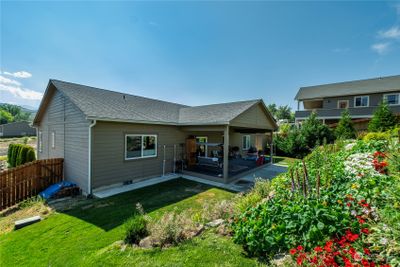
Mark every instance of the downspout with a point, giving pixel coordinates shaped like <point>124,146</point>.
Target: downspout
<point>91,125</point>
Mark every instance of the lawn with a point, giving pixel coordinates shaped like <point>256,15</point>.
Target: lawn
<point>84,235</point>
<point>284,161</point>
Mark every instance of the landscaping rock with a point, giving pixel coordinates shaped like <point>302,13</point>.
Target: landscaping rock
<point>224,230</point>
<point>215,223</point>
<point>146,242</point>
<point>193,232</point>
<point>28,221</point>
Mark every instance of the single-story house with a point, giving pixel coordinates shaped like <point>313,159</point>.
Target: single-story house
<point>109,138</point>
<point>17,129</point>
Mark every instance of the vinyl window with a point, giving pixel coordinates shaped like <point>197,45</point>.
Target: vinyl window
<point>40,141</point>
<point>361,101</point>
<point>53,140</point>
<point>342,104</point>
<point>140,146</point>
<point>392,99</point>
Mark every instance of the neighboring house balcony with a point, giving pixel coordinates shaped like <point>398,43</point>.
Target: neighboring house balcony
<point>356,113</point>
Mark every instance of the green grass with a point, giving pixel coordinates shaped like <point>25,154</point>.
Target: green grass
<point>85,236</point>
<point>3,157</point>
<point>285,161</point>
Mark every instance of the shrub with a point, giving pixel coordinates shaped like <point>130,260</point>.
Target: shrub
<point>382,120</point>
<point>292,145</point>
<point>220,210</point>
<point>135,229</point>
<point>171,228</point>
<point>315,132</point>
<point>19,154</point>
<point>377,136</point>
<point>345,128</point>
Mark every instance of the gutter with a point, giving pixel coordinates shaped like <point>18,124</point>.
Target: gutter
<point>91,125</point>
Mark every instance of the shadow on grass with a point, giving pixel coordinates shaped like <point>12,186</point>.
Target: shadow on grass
<point>111,212</point>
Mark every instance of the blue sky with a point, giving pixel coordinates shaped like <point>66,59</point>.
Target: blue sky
<point>195,52</point>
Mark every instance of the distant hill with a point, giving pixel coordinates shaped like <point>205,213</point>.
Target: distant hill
<point>25,108</point>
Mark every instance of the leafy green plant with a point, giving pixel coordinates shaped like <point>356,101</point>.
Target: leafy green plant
<point>383,119</point>
<point>385,136</point>
<point>345,128</point>
<point>135,229</point>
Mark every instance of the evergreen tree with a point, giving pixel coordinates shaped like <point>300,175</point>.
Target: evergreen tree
<point>383,119</point>
<point>315,132</point>
<point>345,128</point>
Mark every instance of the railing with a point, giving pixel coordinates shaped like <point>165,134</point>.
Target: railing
<point>20,183</point>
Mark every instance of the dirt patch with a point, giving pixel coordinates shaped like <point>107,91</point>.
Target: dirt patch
<point>8,217</point>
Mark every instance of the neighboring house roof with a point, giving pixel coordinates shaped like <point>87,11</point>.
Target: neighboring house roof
<point>103,104</point>
<point>359,87</point>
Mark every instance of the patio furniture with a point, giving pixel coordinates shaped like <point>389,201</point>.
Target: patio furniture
<point>207,161</point>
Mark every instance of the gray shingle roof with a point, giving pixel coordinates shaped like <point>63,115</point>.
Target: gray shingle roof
<point>360,87</point>
<point>103,104</point>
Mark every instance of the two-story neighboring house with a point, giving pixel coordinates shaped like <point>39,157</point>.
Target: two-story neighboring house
<point>360,97</point>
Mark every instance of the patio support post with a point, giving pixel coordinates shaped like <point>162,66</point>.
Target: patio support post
<point>226,154</point>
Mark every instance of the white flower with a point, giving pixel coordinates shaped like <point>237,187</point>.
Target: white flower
<point>383,241</point>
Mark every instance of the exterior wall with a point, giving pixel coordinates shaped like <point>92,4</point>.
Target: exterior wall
<point>254,117</point>
<point>330,107</point>
<point>71,138</point>
<point>15,129</point>
<point>108,152</point>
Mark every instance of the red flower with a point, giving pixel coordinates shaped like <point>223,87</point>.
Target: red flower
<point>300,248</point>
<point>328,246</point>
<point>292,251</point>
<point>361,221</point>
<point>299,260</point>
<point>367,251</point>
<point>318,249</point>
<point>365,231</point>
<point>348,204</point>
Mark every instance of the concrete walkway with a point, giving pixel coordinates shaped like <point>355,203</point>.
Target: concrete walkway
<point>241,184</point>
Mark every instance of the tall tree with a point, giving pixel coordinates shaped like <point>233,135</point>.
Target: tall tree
<point>315,132</point>
<point>284,112</point>
<point>5,116</point>
<point>345,128</point>
<point>383,119</point>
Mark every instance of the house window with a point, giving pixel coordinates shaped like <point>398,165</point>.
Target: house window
<point>40,141</point>
<point>342,104</point>
<point>361,101</point>
<point>201,143</point>
<point>246,142</point>
<point>53,139</point>
<point>140,146</point>
<point>392,99</point>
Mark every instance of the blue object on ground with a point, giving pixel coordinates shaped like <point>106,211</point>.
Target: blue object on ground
<point>54,189</point>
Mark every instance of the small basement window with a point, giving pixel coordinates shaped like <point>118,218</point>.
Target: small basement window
<point>246,142</point>
<point>361,101</point>
<point>392,99</point>
<point>140,146</point>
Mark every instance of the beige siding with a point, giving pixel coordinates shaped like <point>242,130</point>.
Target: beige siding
<point>108,152</point>
<point>71,138</point>
<point>254,117</point>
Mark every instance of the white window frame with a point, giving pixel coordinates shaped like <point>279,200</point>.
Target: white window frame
<point>244,142</point>
<point>355,98</point>
<point>398,98</point>
<point>53,139</point>
<point>40,141</point>
<point>342,100</point>
<point>142,157</point>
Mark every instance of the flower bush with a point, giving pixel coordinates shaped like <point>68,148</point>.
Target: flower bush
<point>338,207</point>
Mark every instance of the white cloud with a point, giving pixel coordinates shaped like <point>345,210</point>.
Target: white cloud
<point>381,48</point>
<point>21,92</point>
<point>4,80</point>
<point>392,33</point>
<point>19,74</point>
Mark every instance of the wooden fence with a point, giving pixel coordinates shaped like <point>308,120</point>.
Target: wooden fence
<point>25,181</point>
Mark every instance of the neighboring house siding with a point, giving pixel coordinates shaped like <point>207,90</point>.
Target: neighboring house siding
<point>108,152</point>
<point>254,117</point>
<point>332,102</point>
<point>71,138</point>
<point>16,129</point>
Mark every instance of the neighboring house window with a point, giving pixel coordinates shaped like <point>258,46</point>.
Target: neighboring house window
<point>392,99</point>
<point>361,101</point>
<point>140,146</point>
<point>246,142</point>
<point>53,139</point>
<point>40,141</point>
<point>343,104</point>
